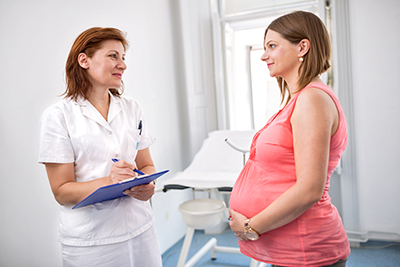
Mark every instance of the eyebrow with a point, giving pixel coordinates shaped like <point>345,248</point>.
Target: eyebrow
<point>112,50</point>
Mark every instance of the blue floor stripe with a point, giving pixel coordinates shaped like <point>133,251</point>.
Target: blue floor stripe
<point>370,254</point>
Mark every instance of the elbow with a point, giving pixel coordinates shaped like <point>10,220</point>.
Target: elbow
<point>61,199</point>
<point>310,194</point>
<point>58,199</point>
<point>64,195</point>
<point>61,202</point>
<point>313,201</point>
<point>313,198</point>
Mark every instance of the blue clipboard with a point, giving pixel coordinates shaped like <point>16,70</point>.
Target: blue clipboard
<point>116,190</point>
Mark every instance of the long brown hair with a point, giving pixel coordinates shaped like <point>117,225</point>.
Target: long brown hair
<point>295,27</point>
<point>88,42</point>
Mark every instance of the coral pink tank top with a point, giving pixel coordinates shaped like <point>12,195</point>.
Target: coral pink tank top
<point>315,238</point>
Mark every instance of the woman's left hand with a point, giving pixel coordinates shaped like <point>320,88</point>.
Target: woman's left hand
<point>142,192</point>
<point>237,224</point>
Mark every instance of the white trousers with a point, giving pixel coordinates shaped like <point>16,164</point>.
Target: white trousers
<point>140,251</point>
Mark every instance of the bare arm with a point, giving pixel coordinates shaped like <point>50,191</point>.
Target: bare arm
<point>69,192</point>
<point>145,164</point>
<point>314,121</point>
<point>144,161</point>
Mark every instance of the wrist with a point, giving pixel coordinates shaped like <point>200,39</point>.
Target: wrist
<point>249,232</point>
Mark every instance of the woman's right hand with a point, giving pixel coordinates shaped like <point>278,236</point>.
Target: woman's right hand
<point>121,170</point>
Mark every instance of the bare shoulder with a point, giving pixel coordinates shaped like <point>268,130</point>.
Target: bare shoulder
<point>315,107</point>
<point>315,99</point>
<point>314,95</point>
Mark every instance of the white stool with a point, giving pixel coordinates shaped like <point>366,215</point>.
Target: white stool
<point>201,214</point>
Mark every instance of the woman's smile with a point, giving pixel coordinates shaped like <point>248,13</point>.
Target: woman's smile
<point>118,75</point>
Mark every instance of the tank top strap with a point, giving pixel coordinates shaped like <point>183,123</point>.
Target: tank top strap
<point>292,103</point>
<point>326,89</point>
<point>330,92</point>
<point>284,114</point>
<point>339,139</point>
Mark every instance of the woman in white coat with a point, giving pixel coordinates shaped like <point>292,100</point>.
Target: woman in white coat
<point>79,137</point>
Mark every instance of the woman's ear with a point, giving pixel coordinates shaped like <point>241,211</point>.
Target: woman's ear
<point>304,46</point>
<point>83,60</point>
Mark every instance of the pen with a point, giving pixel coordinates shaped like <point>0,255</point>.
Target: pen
<point>135,170</point>
<point>140,127</point>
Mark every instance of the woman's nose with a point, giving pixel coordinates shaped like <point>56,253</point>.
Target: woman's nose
<point>264,56</point>
<point>122,65</point>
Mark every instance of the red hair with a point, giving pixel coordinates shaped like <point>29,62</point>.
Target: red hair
<point>88,42</point>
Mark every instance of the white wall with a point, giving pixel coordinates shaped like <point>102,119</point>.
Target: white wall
<point>34,43</point>
<point>376,67</point>
<point>35,40</point>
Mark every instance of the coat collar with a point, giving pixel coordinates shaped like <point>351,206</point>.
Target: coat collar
<point>92,113</point>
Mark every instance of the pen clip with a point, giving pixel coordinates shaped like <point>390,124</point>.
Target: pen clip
<point>140,127</point>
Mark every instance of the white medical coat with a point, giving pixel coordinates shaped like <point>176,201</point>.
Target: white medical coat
<point>74,131</point>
